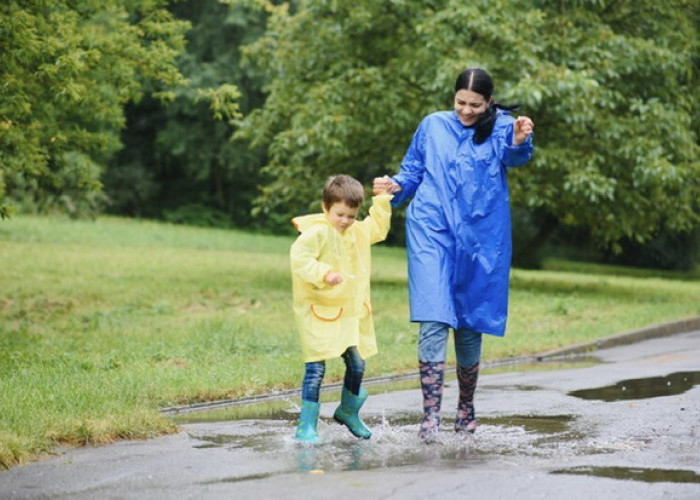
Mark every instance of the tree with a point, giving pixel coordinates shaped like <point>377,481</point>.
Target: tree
<point>610,85</point>
<point>180,156</point>
<point>67,68</point>
<point>615,99</point>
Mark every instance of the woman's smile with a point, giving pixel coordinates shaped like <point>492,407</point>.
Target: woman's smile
<point>469,106</point>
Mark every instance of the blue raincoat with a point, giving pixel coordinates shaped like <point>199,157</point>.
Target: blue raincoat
<point>458,230</point>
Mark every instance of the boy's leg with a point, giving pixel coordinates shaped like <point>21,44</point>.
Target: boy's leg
<point>313,376</point>
<point>468,350</point>
<point>354,370</point>
<point>353,395</point>
<point>310,392</point>
<point>432,345</point>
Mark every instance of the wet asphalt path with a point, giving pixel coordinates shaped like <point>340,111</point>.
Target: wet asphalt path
<point>625,425</point>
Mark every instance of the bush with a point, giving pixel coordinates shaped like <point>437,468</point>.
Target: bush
<point>195,214</point>
<point>668,250</point>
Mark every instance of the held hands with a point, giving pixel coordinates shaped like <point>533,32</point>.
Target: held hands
<point>384,185</point>
<point>333,278</point>
<point>522,129</point>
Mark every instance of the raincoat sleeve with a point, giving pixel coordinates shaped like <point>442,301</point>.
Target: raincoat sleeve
<point>379,220</point>
<point>303,257</point>
<point>412,168</point>
<point>512,156</point>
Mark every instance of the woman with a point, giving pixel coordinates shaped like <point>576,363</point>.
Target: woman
<point>458,234</point>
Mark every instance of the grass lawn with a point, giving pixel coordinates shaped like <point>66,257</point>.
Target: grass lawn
<point>104,322</point>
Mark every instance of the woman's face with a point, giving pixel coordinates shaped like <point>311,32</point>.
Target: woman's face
<point>470,106</point>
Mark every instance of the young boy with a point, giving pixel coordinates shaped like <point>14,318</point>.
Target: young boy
<point>331,265</point>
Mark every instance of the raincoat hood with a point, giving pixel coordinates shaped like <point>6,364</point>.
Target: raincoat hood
<point>304,222</point>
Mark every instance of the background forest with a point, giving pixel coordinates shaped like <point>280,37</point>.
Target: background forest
<point>231,113</point>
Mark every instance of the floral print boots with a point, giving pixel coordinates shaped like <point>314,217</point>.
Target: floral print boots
<point>467,377</point>
<point>432,375</point>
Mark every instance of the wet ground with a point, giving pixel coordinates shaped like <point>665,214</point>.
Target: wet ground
<point>622,422</point>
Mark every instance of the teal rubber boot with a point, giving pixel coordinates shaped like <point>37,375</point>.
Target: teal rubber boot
<point>347,413</point>
<point>308,421</point>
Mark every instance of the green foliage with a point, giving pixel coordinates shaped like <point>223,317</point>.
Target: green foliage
<point>610,85</point>
<point>197,215</point>
<point>666,250</point>
<point>66,70</point>
<point>616,135</point>
<point>182,154</point>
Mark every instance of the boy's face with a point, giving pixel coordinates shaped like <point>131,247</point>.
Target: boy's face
<point>341,216</point>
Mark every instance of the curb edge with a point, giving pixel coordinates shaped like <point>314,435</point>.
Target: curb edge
<point>650,332</point>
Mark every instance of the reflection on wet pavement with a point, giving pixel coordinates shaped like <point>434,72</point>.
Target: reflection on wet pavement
<point>636,474</point>
<point>642,388</point>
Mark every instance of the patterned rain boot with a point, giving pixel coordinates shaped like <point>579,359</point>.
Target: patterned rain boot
<point>308,420</point>
<point>347,413</point>
<point>432,375</point>
<point>467,377</point>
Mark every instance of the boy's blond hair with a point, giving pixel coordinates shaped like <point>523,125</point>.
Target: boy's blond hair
<point>345,189</point>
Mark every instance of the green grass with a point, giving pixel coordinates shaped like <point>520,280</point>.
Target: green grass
<point>102,323</point>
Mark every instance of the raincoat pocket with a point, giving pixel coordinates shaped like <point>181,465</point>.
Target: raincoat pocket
<point>326,313</point>
<point>324,331</point>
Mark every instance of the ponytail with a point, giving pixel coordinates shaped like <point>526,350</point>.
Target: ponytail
<point>484,127</point>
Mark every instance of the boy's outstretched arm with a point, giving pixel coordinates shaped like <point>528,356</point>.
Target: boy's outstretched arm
<point>379,218</point>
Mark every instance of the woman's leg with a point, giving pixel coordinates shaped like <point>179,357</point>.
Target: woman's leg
<point>468,351</point>
<point>353,396</point>
<point>432,346</point>
<point>432,341</point>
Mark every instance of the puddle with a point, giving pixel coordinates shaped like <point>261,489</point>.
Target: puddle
<point>395,442</point>
<point>642,388</point>
<point>535,424</point>
<point>541,424</point>
<point>636,474</point>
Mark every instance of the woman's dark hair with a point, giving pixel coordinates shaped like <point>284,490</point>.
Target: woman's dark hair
<point>479,81</point>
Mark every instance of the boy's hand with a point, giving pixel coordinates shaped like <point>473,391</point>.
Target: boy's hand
<point>332,278</point>
<point>385,185</point>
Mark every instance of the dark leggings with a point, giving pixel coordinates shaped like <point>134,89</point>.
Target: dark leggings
<point>313,375</point>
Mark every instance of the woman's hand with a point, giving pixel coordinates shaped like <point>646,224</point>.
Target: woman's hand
<point>384,185</point>
<point>522,129</point>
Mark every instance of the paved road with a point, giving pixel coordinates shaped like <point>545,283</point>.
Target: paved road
<point>626,425</point>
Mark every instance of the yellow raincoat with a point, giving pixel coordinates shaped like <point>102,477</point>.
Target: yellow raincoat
<point>332,318</point>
